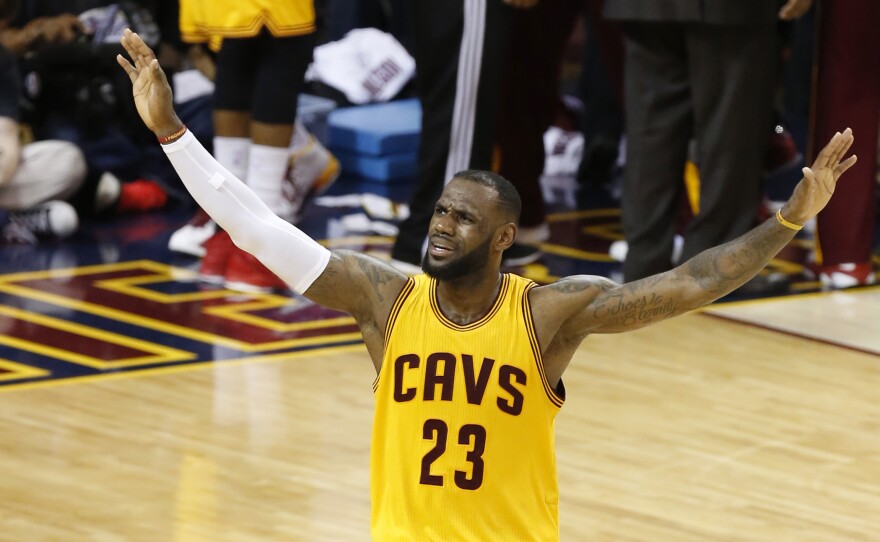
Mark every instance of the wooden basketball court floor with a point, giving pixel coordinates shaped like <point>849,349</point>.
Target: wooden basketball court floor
<point>757,421</point>
<point>139,407</point>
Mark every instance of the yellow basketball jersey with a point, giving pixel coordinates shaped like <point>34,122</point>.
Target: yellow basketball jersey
<point>211,20</point>
<point>463,435</point>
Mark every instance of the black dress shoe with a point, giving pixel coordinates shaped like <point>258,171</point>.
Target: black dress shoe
<point>765,285</point>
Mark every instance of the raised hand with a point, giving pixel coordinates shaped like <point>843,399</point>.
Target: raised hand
<point>814,191</point>
<point>152,93</point>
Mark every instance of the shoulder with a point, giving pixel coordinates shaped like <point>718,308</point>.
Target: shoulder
<point>562,299</point>
<point>574,284</point>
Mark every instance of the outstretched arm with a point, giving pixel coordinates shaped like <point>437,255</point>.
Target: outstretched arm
<point>574,307</point>
<point>597,305</point>
<point>345,281</point>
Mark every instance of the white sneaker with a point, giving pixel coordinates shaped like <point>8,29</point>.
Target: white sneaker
<point>190,239</point>
<point>619,249</point>
<point>534,235</point>
<point>563,151</point>
<point>846,275</point>
<point>53,218</point>
<point>311,171</point>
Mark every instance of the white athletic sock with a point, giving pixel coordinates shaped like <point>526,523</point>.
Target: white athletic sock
<point>247,219</point>
<point>265,175</point>
<point>232,153</point>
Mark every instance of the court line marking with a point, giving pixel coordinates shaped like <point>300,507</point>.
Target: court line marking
<point>7,286</point>
<point>851,291</point>
<point>155,352</point>
<point>790,333</point>
<point>181,368</point>
<point>18,371</point>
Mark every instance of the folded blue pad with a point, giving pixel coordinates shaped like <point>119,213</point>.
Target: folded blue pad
<point>376,129</point>
<point>390,168</point>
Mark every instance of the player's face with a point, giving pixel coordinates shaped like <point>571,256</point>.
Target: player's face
<point>460,236</point>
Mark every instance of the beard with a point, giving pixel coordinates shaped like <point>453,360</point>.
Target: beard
<point>455,269</point>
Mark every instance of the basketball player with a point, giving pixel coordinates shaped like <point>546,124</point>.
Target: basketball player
<point>469,360</point>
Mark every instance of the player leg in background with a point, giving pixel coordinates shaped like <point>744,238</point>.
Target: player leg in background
<point>529,102</point>
<point>34,199</point>
<point>459,49</point>
<point>277,79</point>
<point>847,93</point>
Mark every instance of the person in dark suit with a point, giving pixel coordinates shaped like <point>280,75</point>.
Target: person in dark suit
<point>702,70</point>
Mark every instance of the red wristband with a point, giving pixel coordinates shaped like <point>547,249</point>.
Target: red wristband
<point>173,137</point>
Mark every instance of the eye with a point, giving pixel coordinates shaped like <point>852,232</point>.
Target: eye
<point>438,210</point>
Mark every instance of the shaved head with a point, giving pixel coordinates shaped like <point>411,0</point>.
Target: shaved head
<point>508,201</point>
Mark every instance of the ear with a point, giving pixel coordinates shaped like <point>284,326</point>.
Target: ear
<point>504,236</point>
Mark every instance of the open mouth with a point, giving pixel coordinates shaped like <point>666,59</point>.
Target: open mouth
<point>440,248</point>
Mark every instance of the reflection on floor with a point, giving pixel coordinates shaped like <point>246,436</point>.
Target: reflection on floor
<point>113,298</point>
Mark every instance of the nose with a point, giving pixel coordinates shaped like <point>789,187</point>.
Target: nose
<point>443,224</point>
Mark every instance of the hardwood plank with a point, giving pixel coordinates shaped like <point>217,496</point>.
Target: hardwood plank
<point>697,429</point>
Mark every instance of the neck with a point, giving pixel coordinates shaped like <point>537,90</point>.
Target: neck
<point>468,299</point>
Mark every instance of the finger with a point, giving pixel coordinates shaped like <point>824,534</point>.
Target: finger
<point>135,46</point>
<point>828,152</point>
<point>809,175</point>
<point>142,48</point>
<point>126,44</point>
<point>843,166</point>
<point>787,11</point>
<point>129,69</point>
<point>846,143</point>
<point>156,72</point>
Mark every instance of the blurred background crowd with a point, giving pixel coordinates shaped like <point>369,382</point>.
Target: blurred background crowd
<point>694,117</point>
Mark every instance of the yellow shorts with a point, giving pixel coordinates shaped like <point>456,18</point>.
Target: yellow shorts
<point>209,21</point>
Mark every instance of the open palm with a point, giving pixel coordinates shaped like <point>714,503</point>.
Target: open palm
<point>152,93</point>
<point>816,188</point>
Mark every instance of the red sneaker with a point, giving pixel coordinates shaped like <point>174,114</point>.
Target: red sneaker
<point>140,195</point>
<point>218,249</point>
<point>245,273</point>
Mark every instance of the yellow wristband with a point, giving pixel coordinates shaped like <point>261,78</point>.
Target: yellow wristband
<point>786,223</point>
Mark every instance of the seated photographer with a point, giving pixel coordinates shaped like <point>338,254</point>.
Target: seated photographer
<point>72,91</point>
<point>35,178</point>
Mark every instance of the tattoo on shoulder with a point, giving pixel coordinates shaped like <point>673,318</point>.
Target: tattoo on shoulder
<point>377,275</point>
<point>572,285</point>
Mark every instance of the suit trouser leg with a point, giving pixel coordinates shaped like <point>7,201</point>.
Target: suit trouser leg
<point>658,127</point>
<point>733,77</point>
<point>848,95</point>
<point>459,50</point>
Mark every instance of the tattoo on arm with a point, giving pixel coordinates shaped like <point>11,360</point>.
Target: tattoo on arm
<point>633,305</point>
<point>570,285</point>
<point>722,269</point>
<point>377,275</point>
<point>703,279</point>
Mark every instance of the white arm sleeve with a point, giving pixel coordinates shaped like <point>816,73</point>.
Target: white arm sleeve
<point>289,253</point>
